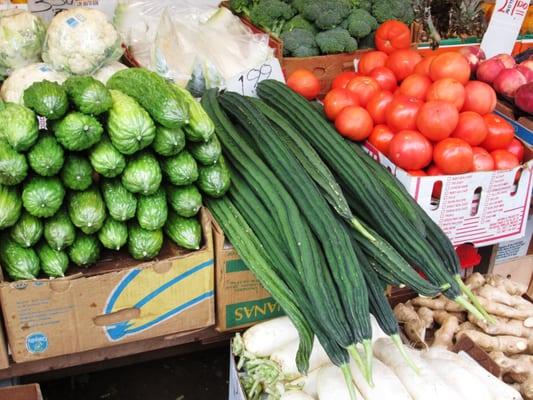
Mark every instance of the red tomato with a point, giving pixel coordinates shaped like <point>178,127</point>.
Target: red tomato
<point>479,97</point>
<point>415,85</point>
<point>447,89</point>
<point>385,78</point>
<point>482,160</point>
<point>403,62</point>
<point>371,60</point>
<point>410,150</point>
<point>517,148</point>
<point>354,123</point>
<point>417,172</point>
<point>336,100</point>
<point>304,83</point>
<point>380,138</point>
<point>433,170</point>
<point>500,133</point>
<point>364,87</point>
<point>471,128</point>
<point>392,35</point>
<point>402,112</point>
<point>342,79</point>
<point>422,68</point>
<point>504,160</point>
<point>437,120</point>
<point>377,106</point>
<point>450,65</point>
<point>453,156</point>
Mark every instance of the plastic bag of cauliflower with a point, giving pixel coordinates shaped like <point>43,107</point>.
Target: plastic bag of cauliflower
<point>21,39</point>
<point>80,41</point>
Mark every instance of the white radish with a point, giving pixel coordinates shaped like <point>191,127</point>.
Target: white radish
<point>500,390</point>
<point>331,385</point>
<point>286,358</point>
<point>423,386</point>
<point>307,383</point>
<point>386,383</point>
<point>263,339</point>
<point>295,395</point>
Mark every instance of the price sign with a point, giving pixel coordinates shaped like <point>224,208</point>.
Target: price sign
<point>504,26</point>
<point>246,82</point>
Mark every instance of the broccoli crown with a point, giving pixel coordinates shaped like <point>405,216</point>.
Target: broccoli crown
<point>299,43</point>
<point>360,23</point>
<point>241,6</point>
<point>299,22</point>
<point>271,14</point>
<point>336,40</point>
<point>401,10</point>
<point>327,14</point>
<point>364,4</point>
<point>299,5</point>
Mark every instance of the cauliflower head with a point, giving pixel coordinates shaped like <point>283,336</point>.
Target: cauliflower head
<point>21,39</point>
<point>13,88</point>
<point>80,41</point>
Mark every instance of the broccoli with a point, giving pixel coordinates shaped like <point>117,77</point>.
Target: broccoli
<point>299,5</point>
<point>271,15</point>
<point>368,42</point>
<point>360,23</point>
<point>327,14</point>
<point>299,43</point>
<point>401,10</point>
<point>336,40</point>
<point>299,22</point>
<point>241,6</point>
<point>364,4</point>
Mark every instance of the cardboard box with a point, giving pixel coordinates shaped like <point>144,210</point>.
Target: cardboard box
<point>22,392</point>
<point>481,208</point>
<point>118,300</point>
<point>241,300</point>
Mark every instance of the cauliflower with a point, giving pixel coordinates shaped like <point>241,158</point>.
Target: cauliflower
<point>80,41</point>
<point>107,71</point>
<point>21,39</point>
<point>22,78</point>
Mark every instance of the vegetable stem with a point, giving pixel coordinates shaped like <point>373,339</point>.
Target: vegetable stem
<point>356,356</point>
<point>473,298</point>
<point>367,346</point>
<point>401,348</point>
<point>461,300</point>
<point>349,381</point>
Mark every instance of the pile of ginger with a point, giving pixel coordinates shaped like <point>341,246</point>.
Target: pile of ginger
<point>508,338</point>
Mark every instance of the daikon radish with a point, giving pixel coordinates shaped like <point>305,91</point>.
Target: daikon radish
<point>263,339</point>
<point>286,358</point>
<point>331,385</point>
<point>498,389</point>
<point>386,383</point>
<point>307,383</point>
<point>426,385</point>
<point>295,395</point>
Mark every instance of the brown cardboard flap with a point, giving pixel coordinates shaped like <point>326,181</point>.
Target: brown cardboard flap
<point>24,392</point>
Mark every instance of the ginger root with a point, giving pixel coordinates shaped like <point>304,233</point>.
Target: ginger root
<point>502,310</point>
<point>438,303</point>
<point>426,315</point>
<point>474,281</point>
<point>414,327</point>
<point>501,296</point>
<point>505,344</point>
<point>468,326</point>
<point>503,326</point>
<point>511,287</point>
<point>449,325</point>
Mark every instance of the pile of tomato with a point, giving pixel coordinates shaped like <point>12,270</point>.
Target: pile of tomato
<point>424,114</point>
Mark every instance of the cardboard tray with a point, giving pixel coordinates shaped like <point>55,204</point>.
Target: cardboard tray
<point>23,392</point>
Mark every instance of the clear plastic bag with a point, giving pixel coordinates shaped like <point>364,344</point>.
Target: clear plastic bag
<point>80,41</point>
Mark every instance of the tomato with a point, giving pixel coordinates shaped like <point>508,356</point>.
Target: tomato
<point>403,62</point>
<point>380,138</point>
<point>517,148</point>
<point>410,150</point>
<point>453,156</point>
<point>437,120</point>
<point>377,106</point>
<point>415,85</point>
<point>471,128</point>
<point>433,170</point>
<point>336,100</point>
<point>447,89</point>
<point>480,97</point>
<point>417,172</point>
<point>422,68</point>
<point>450,65</point>
<point>343,78</point>
<point>483,161</point>
<point>504,160</point>
<point>392,35</point>
<point>402,112</point>
<point>385,78</point>
<point>364,87</point>
<point>371,60</point>
<point>354,123</point>
<point>500,133</point>
<point>304,83</point>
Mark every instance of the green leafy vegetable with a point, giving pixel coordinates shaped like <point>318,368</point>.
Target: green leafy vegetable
<point>144,244</point>
<point>46,98</point>
<point>46,157</point>
<point>89,95</point>
<point>106,159</point>
<point>77,131</point>
<point>85,250</point>
<point>120,202</point>
<point>18,125</point>
<point>54,263</point>
<point>206,153</point>
<point>181,169</point>
<point>19,263</point>
<point>215,180</point>
<point>184,200</point>
<point>185,232</point>
<point>142,174</point>
<point>59,231</point>
<point>114,234</point>
<point>77,173</point>
<point>27,231</point>
<point>42,197</point>
<point>168,142</point>
<point>87,210</point>
<point>13,166</point>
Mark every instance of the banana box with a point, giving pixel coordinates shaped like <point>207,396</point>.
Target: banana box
<point>241,300</point>
<point>119,300</point>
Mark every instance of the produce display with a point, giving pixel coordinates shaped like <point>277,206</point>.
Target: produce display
<point>310,28</point>
<point>508,341</point>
